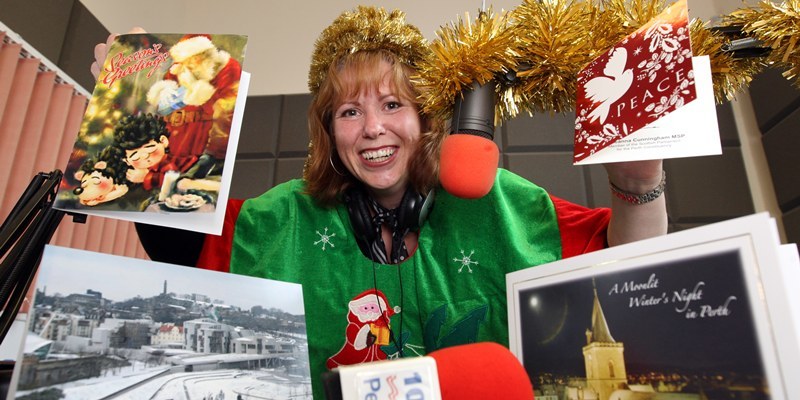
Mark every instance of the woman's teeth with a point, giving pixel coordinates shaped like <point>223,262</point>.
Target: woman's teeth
<point>378,155</point>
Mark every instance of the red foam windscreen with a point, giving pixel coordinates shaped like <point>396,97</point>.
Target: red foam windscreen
<point>481,371</point>
<point>468,165</point>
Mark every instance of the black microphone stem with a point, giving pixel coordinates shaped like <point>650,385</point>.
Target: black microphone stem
<point>474,111</point>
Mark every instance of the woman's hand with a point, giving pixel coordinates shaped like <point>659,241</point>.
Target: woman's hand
<point>101,51</point>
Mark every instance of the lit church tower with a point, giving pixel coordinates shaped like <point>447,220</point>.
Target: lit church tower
<point>605,364</point>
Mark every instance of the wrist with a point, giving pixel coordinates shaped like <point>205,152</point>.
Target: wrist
<point>639,192</point>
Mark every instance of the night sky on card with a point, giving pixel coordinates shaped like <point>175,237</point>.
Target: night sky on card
<point>680,323</point>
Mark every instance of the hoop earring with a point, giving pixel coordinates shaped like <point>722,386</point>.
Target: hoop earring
<point>330,158</point>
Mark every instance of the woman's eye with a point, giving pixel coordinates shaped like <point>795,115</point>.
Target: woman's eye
<point>392,105</point>
<point>350,112</point>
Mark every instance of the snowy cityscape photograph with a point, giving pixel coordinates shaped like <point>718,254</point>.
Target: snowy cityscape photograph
<point>104,327</point>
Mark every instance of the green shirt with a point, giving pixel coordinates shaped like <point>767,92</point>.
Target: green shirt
<point>450,291</point>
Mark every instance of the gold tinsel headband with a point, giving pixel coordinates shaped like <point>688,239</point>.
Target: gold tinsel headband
<point>365,28</point>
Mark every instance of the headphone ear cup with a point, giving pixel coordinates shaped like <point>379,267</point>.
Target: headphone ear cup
<point>408,214</point>
<point>360,217</point>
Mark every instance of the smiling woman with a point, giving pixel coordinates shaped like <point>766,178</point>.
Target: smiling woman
<point>359,227</point>
<point>369,180</point>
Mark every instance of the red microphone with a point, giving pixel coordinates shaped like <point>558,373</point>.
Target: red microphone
<point>469,157</point>
<point>472,371</point>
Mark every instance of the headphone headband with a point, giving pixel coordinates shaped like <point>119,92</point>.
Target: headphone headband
<point>411,213</point>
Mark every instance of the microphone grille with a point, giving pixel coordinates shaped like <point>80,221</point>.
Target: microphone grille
<point>475,132</point>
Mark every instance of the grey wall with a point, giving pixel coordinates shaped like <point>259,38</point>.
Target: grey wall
<point>64,31</point>
<point>274,139</point>
<point>777,108</point>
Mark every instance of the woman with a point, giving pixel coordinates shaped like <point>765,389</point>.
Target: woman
<point>382,277</point>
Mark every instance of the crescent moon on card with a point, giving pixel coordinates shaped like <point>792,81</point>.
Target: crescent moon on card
<point>561,321</point>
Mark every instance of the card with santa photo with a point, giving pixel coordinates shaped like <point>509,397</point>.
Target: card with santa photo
<point>163,119</point>
<point>647,97</point>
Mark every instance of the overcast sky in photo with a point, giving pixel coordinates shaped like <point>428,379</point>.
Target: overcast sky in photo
<point>67,271</point>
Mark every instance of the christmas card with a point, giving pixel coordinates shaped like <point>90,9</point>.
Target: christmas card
<point>702,313</point>
<point>647,97</point>
<point>104,326</point>
<point>159,136</point>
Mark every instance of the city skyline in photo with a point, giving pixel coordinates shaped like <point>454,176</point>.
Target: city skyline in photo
<point>121,278</point>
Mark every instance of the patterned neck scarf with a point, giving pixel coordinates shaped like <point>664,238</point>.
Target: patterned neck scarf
<point>389,217</point>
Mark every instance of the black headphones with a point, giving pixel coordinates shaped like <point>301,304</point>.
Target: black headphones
<point>411,213</point>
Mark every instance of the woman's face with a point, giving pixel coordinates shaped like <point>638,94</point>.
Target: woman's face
<point>375,133</point>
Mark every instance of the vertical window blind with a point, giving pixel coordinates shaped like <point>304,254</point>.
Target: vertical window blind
<point>41,109</point>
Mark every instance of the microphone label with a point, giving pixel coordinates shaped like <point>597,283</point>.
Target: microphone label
<point>404,379</point>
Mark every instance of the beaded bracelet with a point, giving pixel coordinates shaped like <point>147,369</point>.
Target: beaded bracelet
<point>639,199</point>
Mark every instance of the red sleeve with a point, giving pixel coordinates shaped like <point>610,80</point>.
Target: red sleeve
<point>216,253</point>
<point>583,230</point>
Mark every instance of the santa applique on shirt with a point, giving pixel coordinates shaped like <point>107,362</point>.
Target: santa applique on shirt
<point>368,329</point>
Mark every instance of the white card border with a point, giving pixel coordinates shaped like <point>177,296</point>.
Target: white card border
<point>756,237</point>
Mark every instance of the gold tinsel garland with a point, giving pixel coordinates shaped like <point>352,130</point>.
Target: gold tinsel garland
<point>465,52</point>
<point>557,38</point>
<point>554,46</point>
<point>777,26</point>
<point>549,41</point>
<point>631,14</point>
<point>728,74</point>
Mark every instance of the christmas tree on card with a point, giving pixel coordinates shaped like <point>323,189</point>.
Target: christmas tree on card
<point>163,119</point>
<point>647,97</point>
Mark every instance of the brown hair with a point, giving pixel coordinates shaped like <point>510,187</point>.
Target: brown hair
<point>323,182</point>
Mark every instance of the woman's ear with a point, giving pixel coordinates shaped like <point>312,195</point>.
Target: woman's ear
<point>425,123</point>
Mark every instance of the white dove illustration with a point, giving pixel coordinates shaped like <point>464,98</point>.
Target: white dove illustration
<point>605,90</point>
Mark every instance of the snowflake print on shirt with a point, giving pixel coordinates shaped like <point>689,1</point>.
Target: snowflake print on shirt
<point>466,261</point>
<point>325,239</point>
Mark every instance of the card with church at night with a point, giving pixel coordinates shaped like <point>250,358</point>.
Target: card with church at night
<point>137,329</point>
<point>164,117</point>
<point>705,313</point>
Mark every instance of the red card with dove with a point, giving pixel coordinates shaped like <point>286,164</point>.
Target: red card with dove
<point>646,77</point>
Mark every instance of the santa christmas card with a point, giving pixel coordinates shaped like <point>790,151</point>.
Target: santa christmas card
<point>163,119</point>
<point>705,313</point>
<point>104,326</point>
<point>647,97</point>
